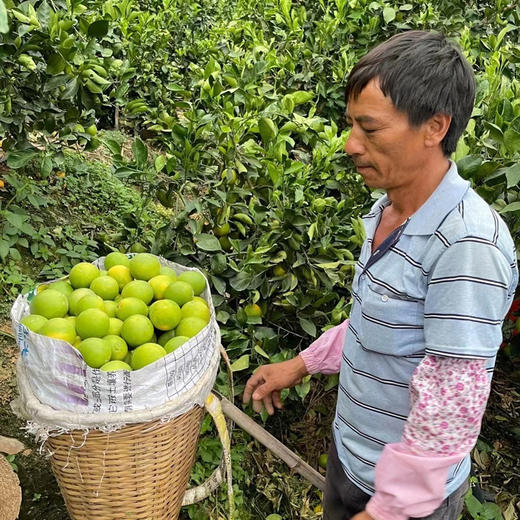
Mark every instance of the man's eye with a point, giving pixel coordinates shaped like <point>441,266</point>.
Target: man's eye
<point>369,130</point>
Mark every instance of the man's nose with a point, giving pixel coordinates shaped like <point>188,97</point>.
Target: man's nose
<point>354,145</point>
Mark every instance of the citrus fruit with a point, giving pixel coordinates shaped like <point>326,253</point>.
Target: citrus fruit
<point>138,289</point>
<point>50,304</point>
<point>95,351</point>
<point>159,284</point>
<point>121,274</point>
<point>146,354</point>
<point>175,343</point>
<point>92,323</point>
<point>278,270</point>
<point>165,314</point>
<point>105,286</point>
<point>116,258</point>
<point>129,306</point>
<point>59,328</point>
<point>200,299</point>
<point>75,297</point>
<point>114,326</point>
<point>62,286</point>
<point>136,330</point>
<point>180,292</point>
<point>114,366</point>
<point>128,358</point>
<point>253,310</point>
<point>165,337</point>
<point>82,274</point>
<point>137,248</point>
<point>90,301</point>
<point>33,322</point>
<point>144,266</point>
<point>168,271</point>
<point>72,319</point>
<point>196,309</point>
<point>195,279</point>
<point>110,308</point>
<point>222,230</point>
<point>118,346</point>
<point>190,327</point>
<point>322,461</point>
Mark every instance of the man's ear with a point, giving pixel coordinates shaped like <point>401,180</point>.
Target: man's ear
<point>435,129</point>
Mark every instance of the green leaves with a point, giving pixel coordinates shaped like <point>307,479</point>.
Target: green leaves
<point>98,29</point>
<point>389,14</point>
<point>512,136</point>
<point>207,242</point>
<point>20,158</point>
<point>4,24</point>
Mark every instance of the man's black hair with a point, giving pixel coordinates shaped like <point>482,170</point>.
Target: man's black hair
<point>424,74</point>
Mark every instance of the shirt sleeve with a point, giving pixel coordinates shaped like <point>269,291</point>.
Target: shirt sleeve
<point>324,355</point>
<point>448,397</point>
<point>470,289</point>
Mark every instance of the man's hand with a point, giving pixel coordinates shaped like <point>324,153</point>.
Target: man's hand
<point>363,516</point>
<point>268,381</point>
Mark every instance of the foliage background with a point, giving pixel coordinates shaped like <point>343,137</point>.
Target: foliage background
<point>234,162</point>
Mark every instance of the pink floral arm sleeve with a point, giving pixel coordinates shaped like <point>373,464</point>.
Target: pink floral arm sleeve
<point>448,399</point>
<point>324,355</point>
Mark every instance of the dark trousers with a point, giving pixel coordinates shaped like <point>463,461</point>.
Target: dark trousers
<point>343,499</point>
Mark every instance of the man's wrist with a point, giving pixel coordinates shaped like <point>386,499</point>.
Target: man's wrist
<point>300,366</point>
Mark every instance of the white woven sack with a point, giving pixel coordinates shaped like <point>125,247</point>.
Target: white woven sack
<point>55,375</point>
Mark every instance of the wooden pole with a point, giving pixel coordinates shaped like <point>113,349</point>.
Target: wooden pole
<point>272,443</point>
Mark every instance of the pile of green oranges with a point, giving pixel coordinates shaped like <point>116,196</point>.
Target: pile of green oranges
<point>123,318</point>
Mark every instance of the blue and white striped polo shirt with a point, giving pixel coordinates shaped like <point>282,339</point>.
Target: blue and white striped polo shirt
<point>443,288</point>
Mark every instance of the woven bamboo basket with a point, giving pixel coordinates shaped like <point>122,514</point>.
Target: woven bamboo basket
<point>139,472</point>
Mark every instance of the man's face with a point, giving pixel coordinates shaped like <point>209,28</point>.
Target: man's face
<point>386,150</point>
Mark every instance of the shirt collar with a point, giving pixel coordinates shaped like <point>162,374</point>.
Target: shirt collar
<point>428,217</point>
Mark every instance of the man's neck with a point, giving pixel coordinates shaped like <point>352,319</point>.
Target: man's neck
<point>407,199</point>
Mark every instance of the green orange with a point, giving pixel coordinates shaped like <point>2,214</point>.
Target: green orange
<point>59,328</point>
<point>62,286</point>
<point>159,284</point>
<point>118,346</point>
<point>165,314</point>
<point>197,309</point>
<point>175,343</point>
<point>146,354</point>
<point>138,289</point>
<point>90,301</point>
<point>114,366</point>
<point>116,258</point>
<point>144,266</point>
<point>180,292</point>
<point>33,322</point>
<point>50,304</point>
<point>190,327</point>
<point>106,287</point>
<point>95,352</point>
<point>195,279</point>
<point>75,297</point>
<point>127,307</point>
<point>82,274</point>
<point>136,330</point>
<point>165,337</point>
<point>92,323</point>
<point>121,274</point>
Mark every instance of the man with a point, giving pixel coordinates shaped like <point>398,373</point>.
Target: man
<point>435,278</point>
